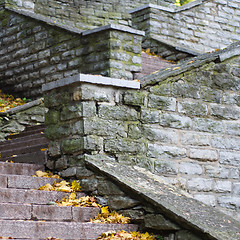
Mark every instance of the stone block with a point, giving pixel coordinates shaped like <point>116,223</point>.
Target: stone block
<point>51,213</point>
<point>222,186</point>
<point>229,158</point>
<point>121,202</point>
<point>149,116</point>
<point>208,199</point>
<point>203,154</point>
<point>200,184</point>
<point>195,139</point>
<point>175,121</point>
<point>71,111</point>
<point>52,117</point>
<point>186,235</point>
<point>164,151</point>
<point>159,222</point>
<point>229,202</point>
<point>226,142</point>
<point>72,145</point>
<point>104,127</point>
<point>157,134</point>
<point>225,112</point>
<point>208,125</point>
<point>193,108</point>
<point>108,188</point>
<point>134,98</point>
<point>15,211</point>
<point>134,131</point>
<point>190,168</point>
<point>236,188</point>
<point>162,103</point>
<point>92,143</point>
<point>166,167</point>
<point>84,214</point>
<point>124,146</point>
<point>123,113</point>
<point>54,132</point>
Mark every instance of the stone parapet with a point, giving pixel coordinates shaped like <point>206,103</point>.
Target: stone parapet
<point>43,52</point>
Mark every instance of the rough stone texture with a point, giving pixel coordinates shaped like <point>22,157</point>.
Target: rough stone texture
<point>43,51</point>
<point>191,29</point>
<point>167,128</point>
<point>17,119</point>
<point>205,221</point>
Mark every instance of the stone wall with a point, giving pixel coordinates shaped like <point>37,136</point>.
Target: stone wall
<point>185,127</point>
<point>16,120</point>
<point>84,14</point>
<point>32,52</point>
<point>199,26</point>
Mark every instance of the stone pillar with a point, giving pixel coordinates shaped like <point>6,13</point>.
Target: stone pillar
<point>75,121</point>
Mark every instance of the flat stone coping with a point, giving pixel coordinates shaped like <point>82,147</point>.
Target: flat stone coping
<point>175,45</point>
<point>172,8</point>
<point>57,23</point>
<point>187,212</point>
<point>22,107</point>
<point>93,79</point>
<point>114,27</point>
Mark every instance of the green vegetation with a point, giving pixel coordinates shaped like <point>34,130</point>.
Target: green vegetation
<point>182,2</point>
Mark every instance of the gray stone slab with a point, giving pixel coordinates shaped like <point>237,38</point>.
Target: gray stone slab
<point>3,181</point>
<point>94,79</point>
<point>52,213</point>
<point>19,168</point>
<point>114,27</point>
<point>8,195</point>
<point>64,230</point>
<point>29,182</point>
<point>176,206</point>
<point>84,214</point>
<point>15,211</point>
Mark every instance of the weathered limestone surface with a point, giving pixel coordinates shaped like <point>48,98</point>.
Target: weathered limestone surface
<point>15,120</point>
<point>35,50</point>
<point>207,222</point>
<point>183,125</point>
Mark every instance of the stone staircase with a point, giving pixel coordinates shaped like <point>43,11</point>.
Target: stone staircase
<point>26,213</point>
<point>28,146</point>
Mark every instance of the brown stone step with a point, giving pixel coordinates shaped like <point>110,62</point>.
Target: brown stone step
<point>23,150</point>
<point>28,131</point>
<point>23,138</point>
<point>11,195</point>
<point>25,182</point>
<point>39,158</point>
<point>63,230</point>
<point>35,140</point>
<point>19,168</point>
<point>13,211</point>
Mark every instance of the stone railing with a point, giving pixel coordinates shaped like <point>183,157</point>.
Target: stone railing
<point>184,127</point>
<point>197,27</point>
<point>43,50</point>
<point>16,120</point>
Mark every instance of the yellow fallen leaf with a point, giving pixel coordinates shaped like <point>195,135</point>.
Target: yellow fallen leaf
<point>176,68</point>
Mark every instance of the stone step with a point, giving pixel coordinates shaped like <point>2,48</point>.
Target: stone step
<point>19,138</point>
<point>20,168</point>
<point>28,131</point>
<point>34,140</point>
<point>12,211</point>
<point>23,150</point>
<point>11,195</point>
<point>25,182</point>
<point>39,158</point>
<point>63,230</point>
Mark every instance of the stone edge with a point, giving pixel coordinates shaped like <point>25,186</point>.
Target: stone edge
<point>22,107</point>
<point>93,79</point>
<point>52,22</point>
<point>172,8</point>
<point>164,204</point>
<point>195,62</point>
<point>114,27</point>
